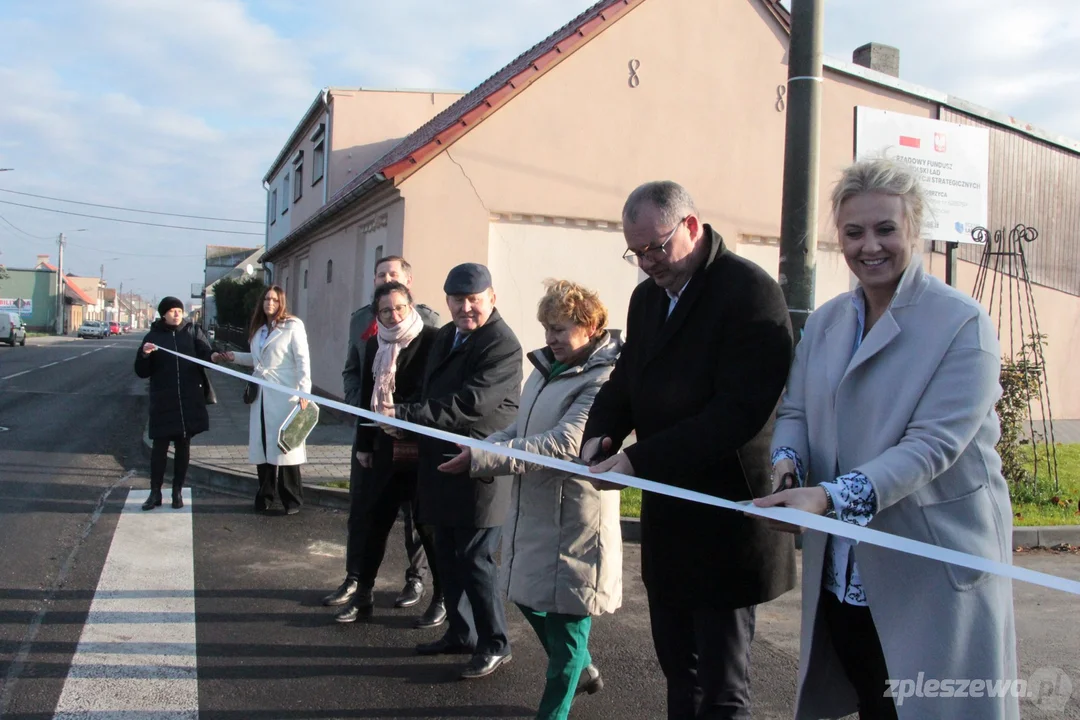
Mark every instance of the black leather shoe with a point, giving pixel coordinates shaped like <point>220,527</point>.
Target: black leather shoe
<point>442,646</point>
<point>410,594</point>
<point>434,616</point>
<point>481,665</point>
<point>589,681</point>
<point>342,595</point>
<point>353,612</point>
<point>153,501</point>
<point>177,500</point>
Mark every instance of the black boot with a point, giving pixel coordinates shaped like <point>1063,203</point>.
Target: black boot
<point>434,616</point>
<point>154,500</point>
<point>177,494</point>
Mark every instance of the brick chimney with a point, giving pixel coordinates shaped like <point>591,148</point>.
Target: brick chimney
<point>883,58</point>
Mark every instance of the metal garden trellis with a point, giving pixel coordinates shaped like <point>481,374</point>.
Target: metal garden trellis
<point>1004,263</point>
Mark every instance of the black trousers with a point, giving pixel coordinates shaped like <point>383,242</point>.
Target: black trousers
<point>370,521</point>
<point>279,480</point>
<point>419,540</point>
<point>469,576</point>
<point>159,458</point>
<point>705,656</point>
<point>855,639</point>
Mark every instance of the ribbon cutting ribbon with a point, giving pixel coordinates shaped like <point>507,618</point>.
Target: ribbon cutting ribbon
<point>782,514</point>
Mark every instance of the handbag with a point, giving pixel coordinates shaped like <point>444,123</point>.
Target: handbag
<point>406,455</point>
<point>251,391</point>
<point>208,390</point>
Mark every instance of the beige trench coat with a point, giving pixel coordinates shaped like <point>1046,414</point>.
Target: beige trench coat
<point>913,410</point>
<point>284,360</point>
<point>562,542</point>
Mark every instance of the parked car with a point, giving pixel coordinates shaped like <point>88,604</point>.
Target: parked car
<point>94,329</point>
<point>114,328</point>
<point>12,329</point>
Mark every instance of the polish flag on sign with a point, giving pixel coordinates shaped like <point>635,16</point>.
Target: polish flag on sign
<point>907,141</point>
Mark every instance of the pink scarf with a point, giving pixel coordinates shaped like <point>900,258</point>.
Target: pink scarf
<point>392,340</point>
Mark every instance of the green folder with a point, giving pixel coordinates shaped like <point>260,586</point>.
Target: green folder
<point>297,426</point>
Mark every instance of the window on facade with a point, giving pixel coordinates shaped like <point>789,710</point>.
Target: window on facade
<point>298,182</point>
<point>305,279</point>
<point>285,195</point>
<point>329,271</point>
<point>318,153</point>
<point>273,207</point>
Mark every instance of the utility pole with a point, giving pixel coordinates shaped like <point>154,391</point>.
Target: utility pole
<point>60,287</point>
<point>799,215</point>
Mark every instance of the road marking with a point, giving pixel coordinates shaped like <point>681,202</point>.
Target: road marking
<point>8,377</point>
<point>48,365</point>
<point>136,656</point>
<point>326,549</point>
<point>87,353</point>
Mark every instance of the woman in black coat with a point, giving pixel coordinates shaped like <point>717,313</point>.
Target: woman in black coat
<point>393,369</point>
<point>178,394</point>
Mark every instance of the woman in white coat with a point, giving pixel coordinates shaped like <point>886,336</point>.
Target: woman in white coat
<point>279,353</point>
<point>888,421</point>
<point>562,542</point>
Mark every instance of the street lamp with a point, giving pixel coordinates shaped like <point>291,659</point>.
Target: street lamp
<point>6,169</point>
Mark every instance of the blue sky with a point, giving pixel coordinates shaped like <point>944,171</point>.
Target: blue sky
<point>181,105</point>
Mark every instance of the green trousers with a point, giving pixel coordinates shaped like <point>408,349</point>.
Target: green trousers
<point>566,641</point>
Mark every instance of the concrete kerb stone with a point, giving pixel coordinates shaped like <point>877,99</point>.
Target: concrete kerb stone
<point>231,483</point>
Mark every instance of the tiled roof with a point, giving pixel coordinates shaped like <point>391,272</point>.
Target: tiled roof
<point>75,289</point>
<point>460,117</point>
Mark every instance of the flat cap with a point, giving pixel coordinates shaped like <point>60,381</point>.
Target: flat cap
<point>467,279</point>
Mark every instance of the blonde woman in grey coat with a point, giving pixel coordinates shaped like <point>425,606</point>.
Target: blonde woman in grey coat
<point>888,421</point>
<point>562,544</point>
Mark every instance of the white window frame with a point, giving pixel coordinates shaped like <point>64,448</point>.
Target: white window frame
<point>318,154</point>
<point>298,176</point>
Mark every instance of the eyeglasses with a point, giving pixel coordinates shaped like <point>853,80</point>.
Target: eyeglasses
<point>388,313</point>
<point>653,252</point>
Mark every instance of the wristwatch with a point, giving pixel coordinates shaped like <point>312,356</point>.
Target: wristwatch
<point>830,509</point>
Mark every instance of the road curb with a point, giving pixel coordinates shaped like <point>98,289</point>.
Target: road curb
<point>230,483</point>
<point>205,476</point>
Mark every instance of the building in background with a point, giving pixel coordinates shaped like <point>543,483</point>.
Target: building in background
<point>224,262</point>
<point>528,172</point>
<point>75,303</point>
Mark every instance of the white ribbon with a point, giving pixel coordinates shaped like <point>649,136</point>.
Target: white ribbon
<point>782,514</point>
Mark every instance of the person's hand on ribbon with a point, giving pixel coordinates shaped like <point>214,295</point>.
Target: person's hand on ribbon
<point>597,452</point>
<point>458,464</point>
<point>219,357</point>
<point>148,348</point>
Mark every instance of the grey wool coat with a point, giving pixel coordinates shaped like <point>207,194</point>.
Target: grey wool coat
<point>562,542</point>
<point>913,410</point>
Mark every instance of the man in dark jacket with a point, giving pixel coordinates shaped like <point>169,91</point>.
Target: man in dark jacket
<point>362,327</point>
<point>471,387</point>
<point>707,355</point>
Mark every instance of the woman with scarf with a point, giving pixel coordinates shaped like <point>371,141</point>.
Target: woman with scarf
<point>393,372</point>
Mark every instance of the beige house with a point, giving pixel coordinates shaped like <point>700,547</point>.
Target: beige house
<point>528,172</point>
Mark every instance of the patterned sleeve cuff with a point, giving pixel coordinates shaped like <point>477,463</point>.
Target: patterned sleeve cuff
<point>786,453</point>
<point>853,497</point>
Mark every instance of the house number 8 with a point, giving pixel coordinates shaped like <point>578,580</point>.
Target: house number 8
<point>634,80</point>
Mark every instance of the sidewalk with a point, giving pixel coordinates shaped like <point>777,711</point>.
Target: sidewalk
<point>225,446</point>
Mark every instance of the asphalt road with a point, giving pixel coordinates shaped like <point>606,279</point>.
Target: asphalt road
<point>264,648</point>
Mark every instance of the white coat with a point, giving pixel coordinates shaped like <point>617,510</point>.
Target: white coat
<point>284,359</point>
<point>913,410</point>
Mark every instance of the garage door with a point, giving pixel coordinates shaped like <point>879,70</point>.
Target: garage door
<point>522,254</point>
